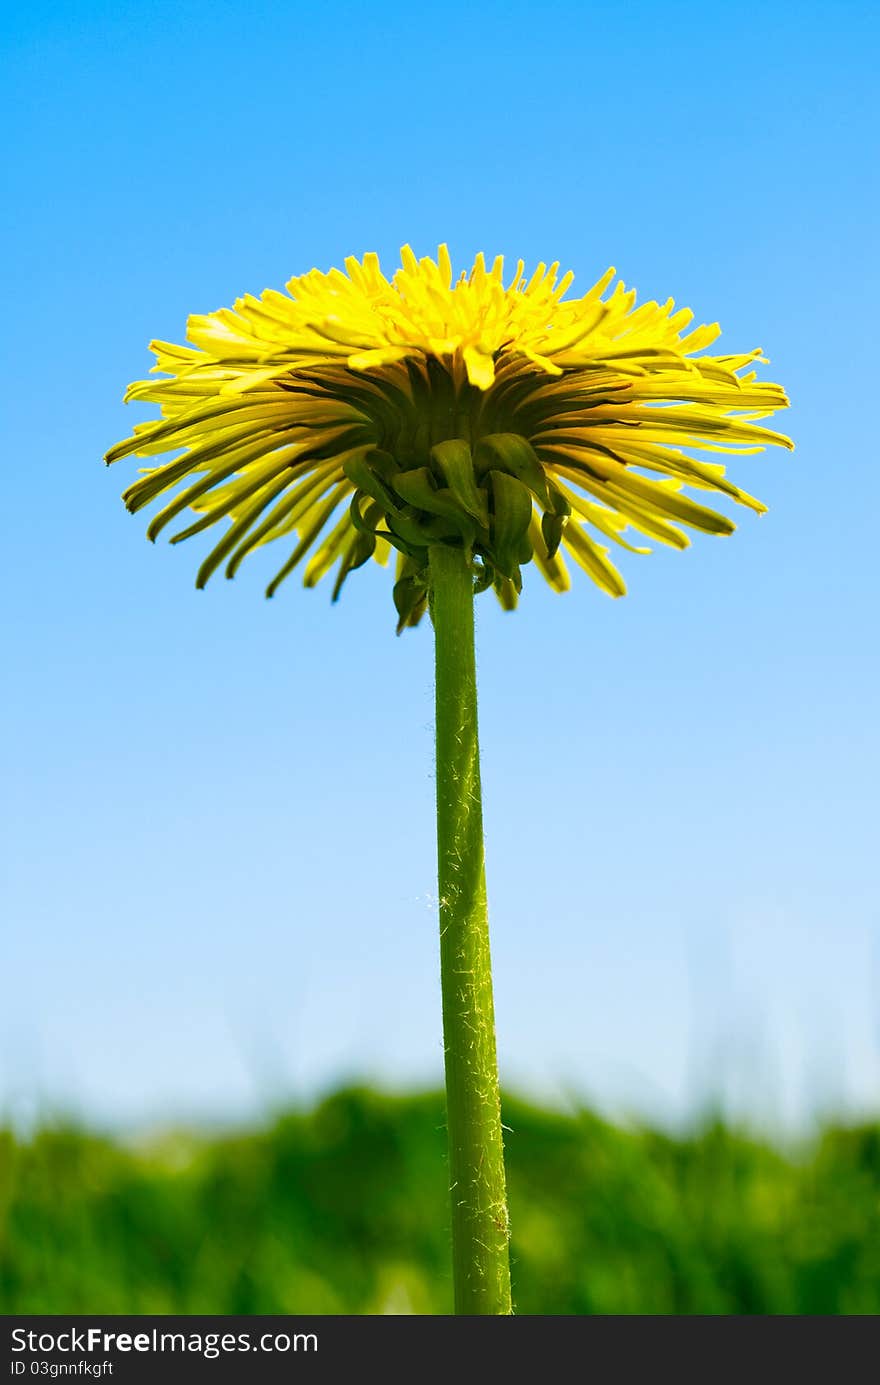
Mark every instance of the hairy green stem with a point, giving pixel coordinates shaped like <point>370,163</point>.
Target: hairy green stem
<point>481,1262</point>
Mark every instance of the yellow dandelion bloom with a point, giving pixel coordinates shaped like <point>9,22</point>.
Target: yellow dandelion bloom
<point>354,415</point>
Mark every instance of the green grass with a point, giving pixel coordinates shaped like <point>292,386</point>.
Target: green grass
<point>342,1209</point>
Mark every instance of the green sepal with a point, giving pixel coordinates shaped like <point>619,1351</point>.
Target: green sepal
<point>484,576</point>
<point>511,544</point>
<point>417,489</point>
<point>370,475</point>
<point>552,527</point>
<point>383,464</point>
<point>365,524</point>
<point>558,503</point>
<point>511,453</point>
<point>365,521</point>
<point>417,551</point>
<point>507,592</point>
<point>359,551</point>
<point>455,463</point>
<point>554,518</point>
<point>421,530</point>
<point>410,599</point>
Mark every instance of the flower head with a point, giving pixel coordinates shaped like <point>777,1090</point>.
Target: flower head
<point>356,415</point>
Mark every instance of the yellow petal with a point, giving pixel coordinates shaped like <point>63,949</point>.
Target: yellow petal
<point>480,367</point>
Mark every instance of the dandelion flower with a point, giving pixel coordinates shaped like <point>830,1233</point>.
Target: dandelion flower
<point>467,428</point>
<point>354,415</point>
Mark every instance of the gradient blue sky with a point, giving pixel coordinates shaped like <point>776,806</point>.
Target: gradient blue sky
<point>218,836</point>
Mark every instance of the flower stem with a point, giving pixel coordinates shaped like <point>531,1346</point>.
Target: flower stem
<point>481,1262</point>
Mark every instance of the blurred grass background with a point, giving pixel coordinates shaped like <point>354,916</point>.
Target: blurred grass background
<point>342,1209</point>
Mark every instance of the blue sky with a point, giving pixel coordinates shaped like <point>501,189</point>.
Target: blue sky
<point>219,869</point>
